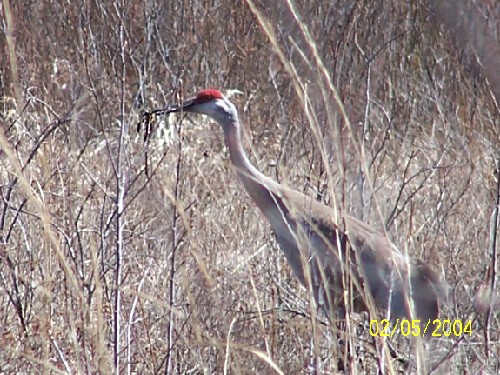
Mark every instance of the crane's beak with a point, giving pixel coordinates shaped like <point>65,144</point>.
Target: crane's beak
<point>184,107</point>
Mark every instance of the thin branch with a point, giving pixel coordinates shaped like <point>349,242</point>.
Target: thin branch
<point>494,226</point>
<point>120,188</point>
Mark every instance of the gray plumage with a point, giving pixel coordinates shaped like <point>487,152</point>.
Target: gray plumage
<point>328,256</point>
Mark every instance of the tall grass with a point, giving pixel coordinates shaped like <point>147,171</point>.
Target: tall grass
<point>129,257</point>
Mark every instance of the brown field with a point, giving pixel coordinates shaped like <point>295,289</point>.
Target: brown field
<point>120,256</point>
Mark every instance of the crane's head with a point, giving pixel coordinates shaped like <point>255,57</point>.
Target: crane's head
<point>212,103</point>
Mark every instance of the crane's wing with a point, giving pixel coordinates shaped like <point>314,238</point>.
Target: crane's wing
<point>357,259</point>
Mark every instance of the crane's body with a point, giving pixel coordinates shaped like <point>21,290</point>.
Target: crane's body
<point>328,256</point>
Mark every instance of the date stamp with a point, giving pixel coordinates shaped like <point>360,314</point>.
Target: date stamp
<point>416,327</point>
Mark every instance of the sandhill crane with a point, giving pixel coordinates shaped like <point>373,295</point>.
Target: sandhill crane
<point>328,257</point>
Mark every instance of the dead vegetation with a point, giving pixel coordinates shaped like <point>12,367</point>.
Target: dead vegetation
<point>126,257</point>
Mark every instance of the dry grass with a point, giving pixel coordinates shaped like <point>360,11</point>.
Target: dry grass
<point>106,268</point>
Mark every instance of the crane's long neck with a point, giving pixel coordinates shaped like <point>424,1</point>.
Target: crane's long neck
<point>258,186</point>
<point>268,196</point>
